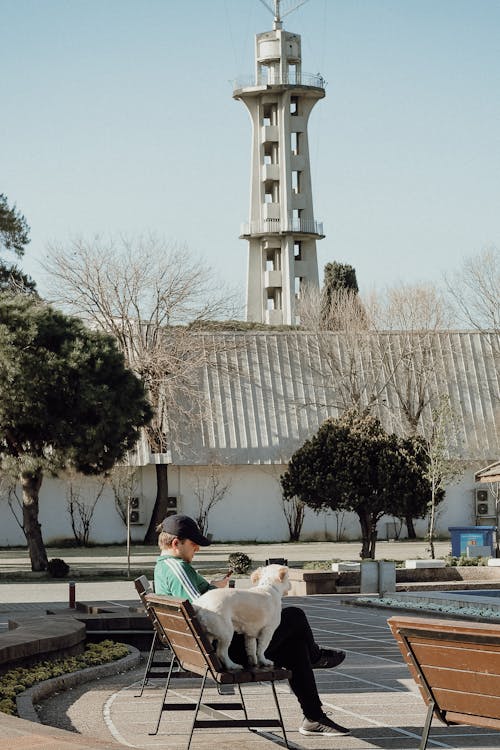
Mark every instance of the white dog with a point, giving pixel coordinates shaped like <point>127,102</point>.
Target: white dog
<point>255,612</point>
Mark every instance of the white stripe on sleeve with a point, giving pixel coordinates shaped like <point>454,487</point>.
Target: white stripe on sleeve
<point>178,571</point>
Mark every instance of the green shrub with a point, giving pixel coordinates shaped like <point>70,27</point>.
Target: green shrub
<point>17,680</point>
<point>239,562</point>
<point>464,560</point>
<point>58,568</point>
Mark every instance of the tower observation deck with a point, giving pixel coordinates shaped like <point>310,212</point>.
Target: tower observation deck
<point>282,230</point>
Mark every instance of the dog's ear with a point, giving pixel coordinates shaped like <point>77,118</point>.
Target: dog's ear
<point>255,576</point>
<point>282,573</point>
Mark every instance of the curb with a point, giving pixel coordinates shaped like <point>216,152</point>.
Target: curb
<point>25,701</point>
<point>15,574</point>
<point>421,611</point>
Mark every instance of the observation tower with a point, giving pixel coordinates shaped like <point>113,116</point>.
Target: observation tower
<point>282,230</point>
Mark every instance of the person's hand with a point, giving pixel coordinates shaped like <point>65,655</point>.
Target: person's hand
<point>221,583</point>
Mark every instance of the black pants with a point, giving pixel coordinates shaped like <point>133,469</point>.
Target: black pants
<point>292,646</point>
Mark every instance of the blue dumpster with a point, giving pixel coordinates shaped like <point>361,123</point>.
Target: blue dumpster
<point>463,536</point>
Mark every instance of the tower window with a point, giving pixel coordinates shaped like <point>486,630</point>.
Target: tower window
<point>270,153</point>
<point>271,192</point>
<point>297,250</point>
<point>274,299</point>
<point>269,114</point>
<point>273,260</point>
<point>263,75</point>
<point>294,105</point>
<point>296,182</point>
<point>294,143</point>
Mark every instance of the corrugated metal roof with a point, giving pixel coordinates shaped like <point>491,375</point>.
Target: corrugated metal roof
<point>490,473</point>
<point>267,392</point>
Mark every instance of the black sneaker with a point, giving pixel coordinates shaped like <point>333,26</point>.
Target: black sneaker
<point>328,657</point>
<point>324,727</point>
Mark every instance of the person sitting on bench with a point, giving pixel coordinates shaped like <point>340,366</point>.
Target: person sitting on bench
<point>292,645</point>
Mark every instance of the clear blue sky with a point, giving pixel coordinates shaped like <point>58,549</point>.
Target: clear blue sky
<point>117,116</point>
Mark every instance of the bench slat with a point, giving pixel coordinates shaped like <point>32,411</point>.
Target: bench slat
<point>448,655</point>
<point>453,679</point>
<point>468,704</point>
<point>456,666</point>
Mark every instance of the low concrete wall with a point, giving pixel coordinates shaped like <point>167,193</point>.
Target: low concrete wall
<point>63,632</point>
<point>40,638</point>
<point>306,582</point>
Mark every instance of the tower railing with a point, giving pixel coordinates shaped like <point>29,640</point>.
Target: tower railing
<point>273,78</point>
<point>273,226</point>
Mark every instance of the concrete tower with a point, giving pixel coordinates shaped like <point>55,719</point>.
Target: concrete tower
<point>282,231</point>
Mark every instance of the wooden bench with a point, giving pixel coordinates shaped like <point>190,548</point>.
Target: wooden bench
<point>176,625</point>
<point>154,668</point>
<point>456,665</point>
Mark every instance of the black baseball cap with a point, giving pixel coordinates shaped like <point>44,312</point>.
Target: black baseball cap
<point>184,527</point>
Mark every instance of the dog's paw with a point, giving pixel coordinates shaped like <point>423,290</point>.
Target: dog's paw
<point>266,663</point>
<point>232,666</point>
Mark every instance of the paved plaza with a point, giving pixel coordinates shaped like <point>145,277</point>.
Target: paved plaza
<point>371,692</point>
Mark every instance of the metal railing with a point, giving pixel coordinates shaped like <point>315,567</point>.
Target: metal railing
<point>270,78</point>
<point>274,226</point>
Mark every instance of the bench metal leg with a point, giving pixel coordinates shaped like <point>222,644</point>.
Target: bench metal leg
<point>279,713</point>
<point>196,711</point>
<point>215,711</point>
<point>280,717</point>
<point>164,695</point>
<point>148,664</point>
<point>427,726</point>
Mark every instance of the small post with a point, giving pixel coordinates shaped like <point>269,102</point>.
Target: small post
<point>72,591</point>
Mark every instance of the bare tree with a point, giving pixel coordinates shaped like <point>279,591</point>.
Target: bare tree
<point>124,483</point>
<point>442,468</point>
<point>350,351</point>
<point>8,492</point>
<point>145,292</point>
<point>80,509</point>
<point>475,291</point>
<point>208,493</point>
<point>416,313</point>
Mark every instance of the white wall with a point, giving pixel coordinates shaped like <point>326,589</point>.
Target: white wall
<point>106,527</point>
<point>250,511</point>
<point>252,508</point>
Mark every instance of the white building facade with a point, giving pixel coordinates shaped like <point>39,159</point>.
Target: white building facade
<point>265,395</point>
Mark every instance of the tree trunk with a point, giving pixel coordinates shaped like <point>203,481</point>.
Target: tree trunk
<point>432,517</point>
<point>365,524</point>
<point>373,538</point>
<point>410,527</point>
<point>31,483</point>
<point>160,506</point>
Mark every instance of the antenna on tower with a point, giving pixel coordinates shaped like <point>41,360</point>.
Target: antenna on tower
<point>274,8</point>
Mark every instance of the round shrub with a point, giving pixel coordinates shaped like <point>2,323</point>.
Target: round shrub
<point>239,562</point>
<point>58,568</point>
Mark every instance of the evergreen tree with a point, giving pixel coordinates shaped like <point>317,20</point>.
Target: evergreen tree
<point>67,401</point>
<point>352,464</point>
<point>340,292</point>
<point>14,236</point>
